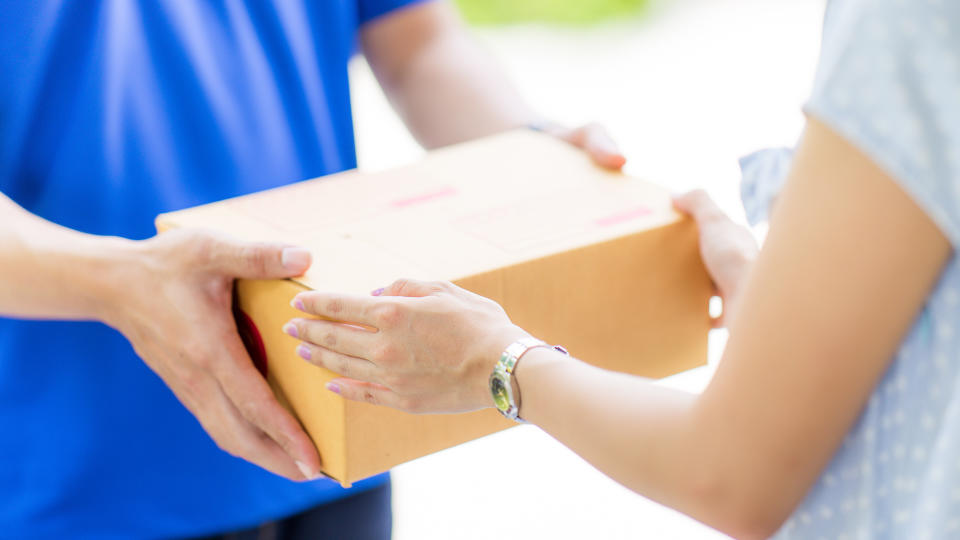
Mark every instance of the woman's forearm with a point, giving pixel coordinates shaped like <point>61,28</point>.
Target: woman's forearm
<point>655,440</point>
<point>52,272</point>
<point>633,430</point>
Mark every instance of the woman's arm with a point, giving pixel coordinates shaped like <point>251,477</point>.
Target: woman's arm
<point>448,89</point>
<point>847,265</point>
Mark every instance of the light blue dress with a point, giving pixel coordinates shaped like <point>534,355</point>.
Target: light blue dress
<point>889,82</point>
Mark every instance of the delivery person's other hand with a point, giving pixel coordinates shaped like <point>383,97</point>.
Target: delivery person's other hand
<point>592,139</point>
<point>424,348</point>
<point>177,314</point>
<point>727,248</point>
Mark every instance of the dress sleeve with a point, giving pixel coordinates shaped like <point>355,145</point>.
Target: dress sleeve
<point>889,82</point>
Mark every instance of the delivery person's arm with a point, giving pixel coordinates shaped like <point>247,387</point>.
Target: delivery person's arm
<point>849,262</point>
<point>448,89</point>
<point>171,297</point>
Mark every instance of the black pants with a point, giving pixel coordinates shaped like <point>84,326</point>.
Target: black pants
<point>365,516</point>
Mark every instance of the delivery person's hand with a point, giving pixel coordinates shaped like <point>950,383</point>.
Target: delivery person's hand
<point>425,348</point>
<point>592,139</point>
<point>177,314</point>
<point>727,248</point>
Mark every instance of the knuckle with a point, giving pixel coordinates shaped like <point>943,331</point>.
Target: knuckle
<point>384,354</point>
<point>194,378</point>
<point>388,315</point>
<point>335,306</point>
<point>329,339</point>
<point>255,258</point>
<point>308,331</point>
<point>319,357</point>
<point>202,361</point>
<point>370,397</point>
<point>192,384</point>
<point>342,367</point>
<point>400,286</point>
<point>198,246</point>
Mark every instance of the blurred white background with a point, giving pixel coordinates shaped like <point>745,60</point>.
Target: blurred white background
<point>685,90</point>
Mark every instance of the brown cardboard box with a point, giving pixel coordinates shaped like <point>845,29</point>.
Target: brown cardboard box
<point>594,260</point>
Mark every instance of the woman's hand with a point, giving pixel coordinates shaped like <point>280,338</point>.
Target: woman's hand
<point>728,249</point>
<point>415,346</point>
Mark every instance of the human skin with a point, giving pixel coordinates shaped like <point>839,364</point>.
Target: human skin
<point>448,89</point>
<point>170,296</point>
<point>848,263</point>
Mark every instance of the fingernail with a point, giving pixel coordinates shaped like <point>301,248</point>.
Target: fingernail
<point>297,303</point>
<point>305,471</point>
<point>290,329</point>
<point>303,351</point>
<point>295,259</point>
<point>377,292</point>
<point>333,387</point>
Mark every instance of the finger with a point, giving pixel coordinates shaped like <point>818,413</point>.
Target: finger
<point>371,393</point>
<point>341,364</point>
<point>717,322</point>
<point>205,399</point>
<point>339,307</point>
<point>250,394</point>
<point>259,260</point>
<point>237,436</point>
<point>600,146</point>
<point>414,288</point>
<point>337,337</point>
<point>594,139</point>
<point>699,205</point>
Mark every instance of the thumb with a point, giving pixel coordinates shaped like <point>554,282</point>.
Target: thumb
<point>602,149</point>
<point>260,260</point>
<point>412,288</point>
<point>595,141</point>
<point>698,205</point>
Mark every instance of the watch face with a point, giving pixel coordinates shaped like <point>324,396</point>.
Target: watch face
<point>498,388</point>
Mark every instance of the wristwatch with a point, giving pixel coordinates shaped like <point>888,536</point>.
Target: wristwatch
<point>505,397</point>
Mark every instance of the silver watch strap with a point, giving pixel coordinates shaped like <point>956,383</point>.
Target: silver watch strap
<point>508,363</point>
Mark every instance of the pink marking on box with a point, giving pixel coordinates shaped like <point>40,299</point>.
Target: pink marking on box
<point>622,217</point>
<point>426,197</point>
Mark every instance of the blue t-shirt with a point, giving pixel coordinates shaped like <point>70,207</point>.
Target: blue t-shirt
<point>110,113</point>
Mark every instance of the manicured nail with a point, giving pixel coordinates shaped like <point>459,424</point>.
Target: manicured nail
<point>333,387</point>
<point>290,329</point>
<point>306,472</point>
<point>377,292</point>
<point>303,351</point>
<point>297,303</point>
<point>295,259</point>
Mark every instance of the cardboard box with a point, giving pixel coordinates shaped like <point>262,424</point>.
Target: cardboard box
<point>591,259</point>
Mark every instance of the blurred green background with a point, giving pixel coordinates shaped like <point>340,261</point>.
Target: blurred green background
<point>489,12</point>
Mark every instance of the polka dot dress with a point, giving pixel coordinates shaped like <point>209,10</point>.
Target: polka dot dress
<point>889,82</point>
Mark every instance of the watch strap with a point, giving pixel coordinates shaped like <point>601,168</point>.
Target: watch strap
<point>508,364</point>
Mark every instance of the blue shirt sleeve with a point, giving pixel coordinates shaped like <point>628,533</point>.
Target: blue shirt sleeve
<point>889,82</point>
<point>367,10</point>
